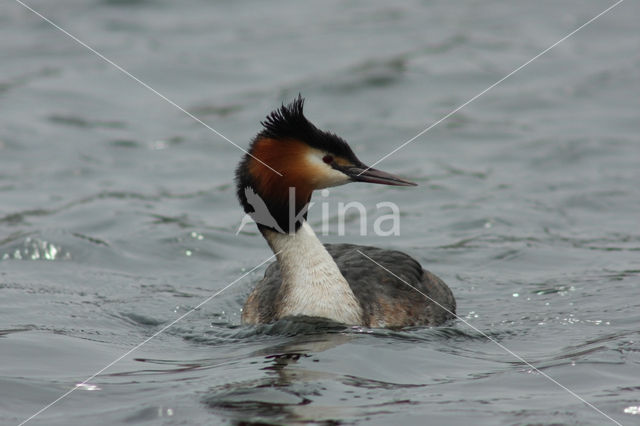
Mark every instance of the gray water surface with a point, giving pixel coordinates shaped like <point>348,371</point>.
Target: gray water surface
<point>118,212</point>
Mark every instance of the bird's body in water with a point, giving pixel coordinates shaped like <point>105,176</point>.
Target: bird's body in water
<point>286,162</point>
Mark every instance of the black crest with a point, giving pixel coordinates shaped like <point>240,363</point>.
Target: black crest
<point>289,122</point>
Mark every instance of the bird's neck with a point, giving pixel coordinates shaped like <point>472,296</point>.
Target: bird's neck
<point>312,283</point>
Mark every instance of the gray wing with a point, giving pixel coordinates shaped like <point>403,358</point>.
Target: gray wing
<point>389,301</point>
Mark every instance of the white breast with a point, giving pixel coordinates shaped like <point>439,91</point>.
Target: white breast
<point>311,281</point>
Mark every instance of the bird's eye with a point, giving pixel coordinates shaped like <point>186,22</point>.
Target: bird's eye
<point>328,159</point>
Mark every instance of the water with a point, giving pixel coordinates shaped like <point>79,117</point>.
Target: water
<point>118,214</point>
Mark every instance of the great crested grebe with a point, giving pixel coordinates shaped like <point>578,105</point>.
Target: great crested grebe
<point>332,281</point>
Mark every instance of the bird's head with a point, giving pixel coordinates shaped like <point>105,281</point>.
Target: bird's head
<point>290,155</point>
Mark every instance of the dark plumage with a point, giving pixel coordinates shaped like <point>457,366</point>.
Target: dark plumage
<point>289,122</point>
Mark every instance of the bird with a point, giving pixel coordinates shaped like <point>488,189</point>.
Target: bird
<point>356,285</point>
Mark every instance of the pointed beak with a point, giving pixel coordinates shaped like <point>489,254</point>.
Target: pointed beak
<point>363,174</point>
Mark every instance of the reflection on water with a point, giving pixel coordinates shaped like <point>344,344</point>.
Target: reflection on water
<point>286,390</point>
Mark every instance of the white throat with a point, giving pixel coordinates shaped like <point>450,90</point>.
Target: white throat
<point>311,281</point>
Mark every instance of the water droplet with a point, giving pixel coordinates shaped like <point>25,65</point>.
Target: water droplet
<point>88,387</point>
<point>632,409</point>
<point>51,253</point>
